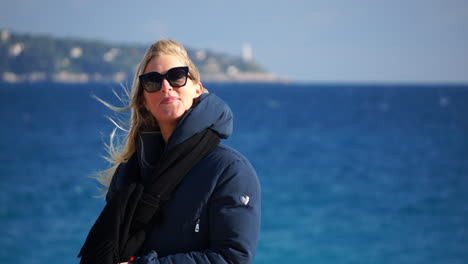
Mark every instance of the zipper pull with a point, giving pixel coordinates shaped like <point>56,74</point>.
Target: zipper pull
<point>197,226</point>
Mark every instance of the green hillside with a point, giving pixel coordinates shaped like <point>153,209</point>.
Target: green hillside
<point>31,58</point>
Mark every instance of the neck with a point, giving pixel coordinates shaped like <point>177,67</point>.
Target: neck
<point>166,129</point>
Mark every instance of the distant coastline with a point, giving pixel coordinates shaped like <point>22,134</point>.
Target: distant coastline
<point>122,77</point>
<point>41,58</point>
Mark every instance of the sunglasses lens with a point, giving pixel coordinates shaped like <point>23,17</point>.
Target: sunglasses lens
<point>177,77</point>
<point>151,82</point>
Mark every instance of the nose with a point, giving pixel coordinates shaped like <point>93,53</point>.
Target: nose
<point>165,86</point>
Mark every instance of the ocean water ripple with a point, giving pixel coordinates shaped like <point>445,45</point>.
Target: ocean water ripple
<point>349,173</point>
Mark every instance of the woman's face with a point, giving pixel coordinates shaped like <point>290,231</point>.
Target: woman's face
<point>169,103</point>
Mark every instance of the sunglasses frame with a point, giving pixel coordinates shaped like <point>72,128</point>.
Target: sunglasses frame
<point>158,78</point>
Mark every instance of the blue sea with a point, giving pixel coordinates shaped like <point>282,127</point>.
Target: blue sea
<point>349,173</point>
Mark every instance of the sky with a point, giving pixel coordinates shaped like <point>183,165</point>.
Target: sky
<point>391,41</point>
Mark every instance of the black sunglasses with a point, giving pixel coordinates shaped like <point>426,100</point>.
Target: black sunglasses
<point>152,81</point>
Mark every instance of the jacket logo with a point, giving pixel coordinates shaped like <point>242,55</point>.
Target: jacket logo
<point>245,199</point>
<point>197,226</point>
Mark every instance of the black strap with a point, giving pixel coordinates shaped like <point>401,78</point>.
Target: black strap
<point>120,230</point>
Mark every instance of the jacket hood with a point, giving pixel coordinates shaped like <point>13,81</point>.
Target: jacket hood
<point>209,111</point>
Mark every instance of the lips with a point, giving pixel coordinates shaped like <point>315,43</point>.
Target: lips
<point>169,100</point>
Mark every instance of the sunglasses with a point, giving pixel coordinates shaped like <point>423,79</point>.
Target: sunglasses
<point>152,81</point>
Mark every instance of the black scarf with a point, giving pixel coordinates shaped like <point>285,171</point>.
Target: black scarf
<point>120,230</point>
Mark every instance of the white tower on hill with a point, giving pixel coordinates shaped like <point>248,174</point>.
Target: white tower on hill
<point>247,52</point>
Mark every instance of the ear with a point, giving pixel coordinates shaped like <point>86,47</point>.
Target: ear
<point>199,88</point>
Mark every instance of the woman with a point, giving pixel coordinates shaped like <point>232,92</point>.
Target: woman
<point>176,194</point>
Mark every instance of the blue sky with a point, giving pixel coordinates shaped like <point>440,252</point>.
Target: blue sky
<point>312,41</point>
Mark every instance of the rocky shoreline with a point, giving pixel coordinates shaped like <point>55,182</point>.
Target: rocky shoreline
<point>122,77</point>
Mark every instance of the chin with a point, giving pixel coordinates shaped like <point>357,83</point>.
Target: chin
<point>169,117</point>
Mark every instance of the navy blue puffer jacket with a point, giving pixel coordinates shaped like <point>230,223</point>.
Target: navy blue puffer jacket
<point>214,214</point>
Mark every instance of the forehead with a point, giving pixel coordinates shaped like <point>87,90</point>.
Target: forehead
<point>163,63</point>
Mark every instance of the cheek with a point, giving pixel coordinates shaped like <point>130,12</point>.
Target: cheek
<point>190,94</point>
<point>149,99</point>
<point>188,99</point>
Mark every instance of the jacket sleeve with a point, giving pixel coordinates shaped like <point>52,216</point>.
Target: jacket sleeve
<point>234,212</point>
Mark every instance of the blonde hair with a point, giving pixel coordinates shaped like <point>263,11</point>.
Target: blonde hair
<point>140,117</point>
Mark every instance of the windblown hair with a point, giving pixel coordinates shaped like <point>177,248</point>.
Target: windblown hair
<point>140,117</point>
